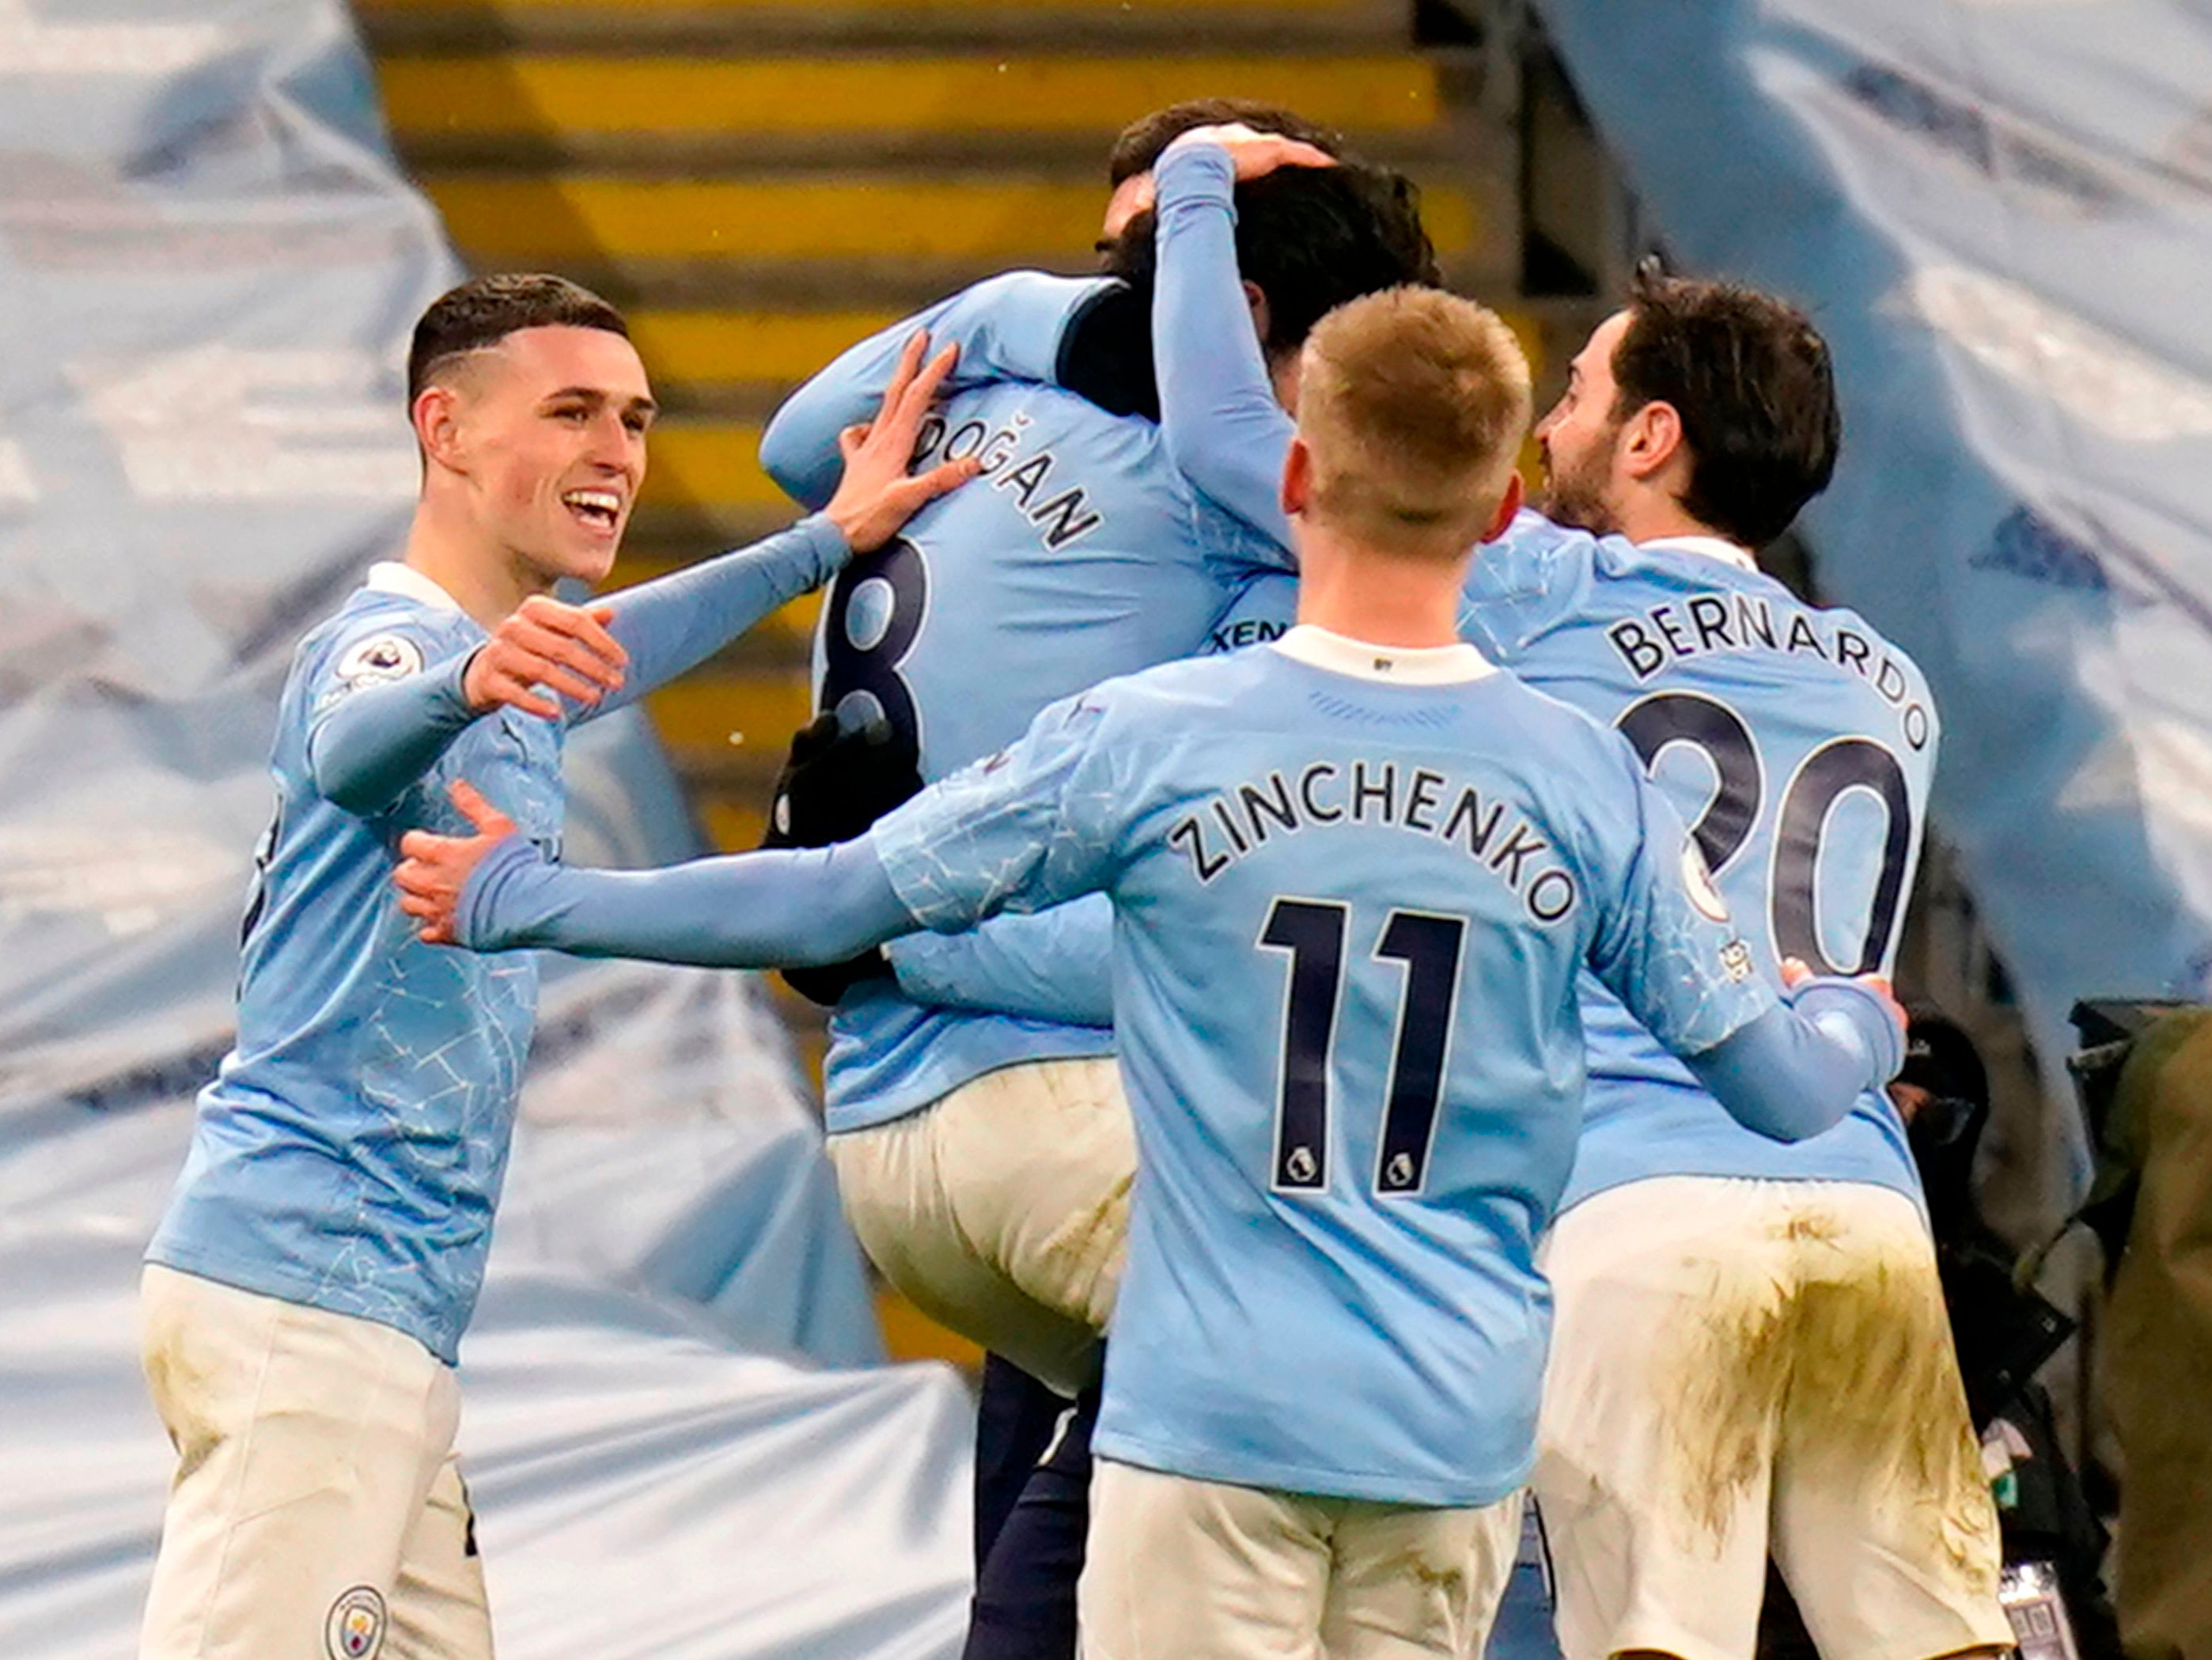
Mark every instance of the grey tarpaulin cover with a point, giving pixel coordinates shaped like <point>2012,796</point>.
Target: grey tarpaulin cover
<point>676,1426</point>
<point>2000,212</point>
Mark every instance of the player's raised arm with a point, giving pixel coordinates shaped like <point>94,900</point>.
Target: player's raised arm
<point>672,624</point>
<point>1006,327</point>
<point>1219,417</point>
<point>1788,1069</point>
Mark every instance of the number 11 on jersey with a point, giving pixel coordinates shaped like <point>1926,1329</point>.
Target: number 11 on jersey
<point>1313,932</point>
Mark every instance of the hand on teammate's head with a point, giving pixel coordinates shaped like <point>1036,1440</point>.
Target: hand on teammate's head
<point>1255,154</point>
<point>544,643</point>
<point>434,869</point>
<point>877,496</point>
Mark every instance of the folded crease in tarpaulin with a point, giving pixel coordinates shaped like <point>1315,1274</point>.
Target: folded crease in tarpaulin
<point>676,1422</point>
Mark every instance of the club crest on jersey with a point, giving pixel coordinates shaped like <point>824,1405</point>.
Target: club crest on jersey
<point>1698,882</point>
<point>355,1627</point>
<point>382,657</point>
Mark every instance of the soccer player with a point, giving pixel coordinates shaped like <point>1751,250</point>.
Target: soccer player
<point>1354,878</point>
<point>305,1293</point>
<point>984,1160</point>
<point>1753,1354</point>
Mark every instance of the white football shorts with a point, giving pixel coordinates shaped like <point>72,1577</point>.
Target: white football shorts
<point>1743,1366</point>
<point>1002,1211</point>
<point>317,1508</point>
<point>1178,1567</point>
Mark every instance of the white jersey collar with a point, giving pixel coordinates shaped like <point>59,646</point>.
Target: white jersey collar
<point>390,576</point>
<point>1713,547</point>
<point>1417,666</point>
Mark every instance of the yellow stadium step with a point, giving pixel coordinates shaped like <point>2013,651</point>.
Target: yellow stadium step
<point>428,97</point>
<point>990,221</point>
<point>983,27</point>
<point>707,463</point>
<point>725,348</point>
<point>725,723</point>
<point>910,1334</point>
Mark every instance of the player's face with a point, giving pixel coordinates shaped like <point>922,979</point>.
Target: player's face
<point>556,427</point>
<point>1579,438</point>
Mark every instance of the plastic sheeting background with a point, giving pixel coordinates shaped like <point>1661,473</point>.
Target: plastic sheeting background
<point>2001,216</point>
<point>209,269</point>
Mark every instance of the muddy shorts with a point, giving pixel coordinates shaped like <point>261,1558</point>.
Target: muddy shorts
<point>1179,1568</point>
<point>1740,1367</point>
<point>1002,1211</point>
<point>317,1508</point>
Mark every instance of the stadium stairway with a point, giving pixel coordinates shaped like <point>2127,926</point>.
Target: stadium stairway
<point>760,183</point>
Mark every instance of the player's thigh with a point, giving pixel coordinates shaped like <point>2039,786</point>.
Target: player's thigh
<point>894,1179</point>
<point>1039,1160</point>
<point>1181,1569</point>
<point>1661,1397</point>
<point>439,1609</point>
<point>1408,1583</point>
<point>306,1442</point>
<point>1882,1519</point>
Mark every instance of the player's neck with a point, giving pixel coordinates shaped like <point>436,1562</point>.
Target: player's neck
<point>484,579</point>
<point>1659,518</point>
<point>1382,598</point>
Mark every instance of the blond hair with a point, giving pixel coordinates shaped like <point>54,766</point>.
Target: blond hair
<point>1412,404</point>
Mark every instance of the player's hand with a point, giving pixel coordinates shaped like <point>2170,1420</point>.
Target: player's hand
<point>876,496</point>
<point>434,869</point>
<point>1795,974</point>
<point>1254,154</point>
<point>544,642</point>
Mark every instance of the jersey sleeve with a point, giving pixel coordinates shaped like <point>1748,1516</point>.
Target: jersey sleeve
<point>1056,965</point>
<point>384,701</point>
<point>1520,585</point>
<point>1008,327</point>
<point>1664,944</point>
<point>1219,420</point>
<point>1027,829</point>
<point>790,907</point>
<point>677,622</point>
<point>1665,948</point>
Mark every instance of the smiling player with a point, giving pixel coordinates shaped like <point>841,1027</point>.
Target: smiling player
<point>305,1294</point>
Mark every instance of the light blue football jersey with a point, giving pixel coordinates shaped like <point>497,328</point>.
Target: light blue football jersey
<point>1080,554</point>
<point>349,1153</point>
<point>1798,744</point>
<point>1349,917</point>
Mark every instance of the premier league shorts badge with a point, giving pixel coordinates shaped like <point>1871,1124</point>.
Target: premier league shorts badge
<point>354,1630</point>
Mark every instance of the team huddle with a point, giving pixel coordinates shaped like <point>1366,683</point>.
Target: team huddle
<point>1368,990</point>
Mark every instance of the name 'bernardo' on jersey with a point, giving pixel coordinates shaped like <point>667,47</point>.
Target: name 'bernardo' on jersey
<point>1414,800</point>
<point>1064,516</point>
<point>1745,622</point>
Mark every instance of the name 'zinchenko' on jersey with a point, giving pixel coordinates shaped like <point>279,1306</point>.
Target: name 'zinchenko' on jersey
<point>1417,799</point>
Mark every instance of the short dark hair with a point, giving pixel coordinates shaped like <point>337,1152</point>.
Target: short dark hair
<point>1751,378</point>
<point>1139,143</point>
<point>1311,238</point>
<point>484,310</point>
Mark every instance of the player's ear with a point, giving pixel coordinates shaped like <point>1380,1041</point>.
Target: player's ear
<point>1256,299</point>
<point>1651,438</point>
<point>1298,477</point>
<point>1507,505</point>
<point>437,420</point>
